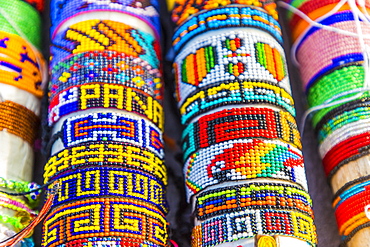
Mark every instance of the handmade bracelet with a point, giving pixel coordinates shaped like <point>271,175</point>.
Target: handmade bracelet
<point>234,93</point>
<point>100,182</point>
<point>107,67</point>
<point>350,209</point>
<point>104,95</point>
<point>104,217</point>
<point>17,205</point>
<point>111,126</point>
<point>22,187</point>
<point>225,17</point>
<point>146,11</point>
<point>25,20</point>
<point>17,222</point>
<point>105,154</point>
<point>243,159</point>
<point>249,223</point>
<point>240,123</point>
<point>187,8</point>
<point>236,198</point>
<point>104,35</point>
<point>230,56</point>
<point>111,242</point>
<point>18,120</point>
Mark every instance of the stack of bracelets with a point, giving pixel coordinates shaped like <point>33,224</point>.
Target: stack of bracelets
<point>333,57</point>
<point>243,162</point>
<point>21,77</point>
<point>105,119</point>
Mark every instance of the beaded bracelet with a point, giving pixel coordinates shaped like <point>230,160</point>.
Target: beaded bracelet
<point>22,187</point>
<point>111,126</point>
<point>104,95</point>
<point>241,160</point>
<point>187,8</point>
<point>25,20</point>
<point>249,223</point>
<point>240,123</point>
<point>103,35</point>
<point>17,222</point>
<point>147,11</point>
<point>108,67</point>
<point>350,209</point>
<point>104,217</point>
<point>234,93</point>
<point>18,120</point>
<point>225,17</point>
<point>252,196</point>
<point>111,182</point>
<point>110,241</point>
<point>17,205</point>
<point>108,154</point>
<point>229,56</point>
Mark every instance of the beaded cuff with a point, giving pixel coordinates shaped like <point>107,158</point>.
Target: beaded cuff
<point>104,95</point>
<point>234,93</point>
<point>18,120</point>
<point>100,182</point>
<point>233,199</point>
<point>145,10</point>
<point>243,55</point>
<point>106,67</point>
<point>225,17</point>
<point>111,126</point>
<point>104,35</point>
<point>240,123</point>
<point>249,223</point>
<point>242,160</point>
<point>187,8</point>
<point>104,217</point>
<point>114,154</point>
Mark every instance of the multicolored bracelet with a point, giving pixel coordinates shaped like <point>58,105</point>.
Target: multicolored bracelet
<point>350,210</point>
<point>249,223</point>
<point>22,187</point>
<point>18,120</point>
<point>236,198</point>
<point>67,9</point>
<point>106,67</point>
<point>225,17</point>
<point>243,159</point>
<point>240,123</point>
<point>111,126</point>
<point>104,35</point>
<point>18,205</point>
<point>104,217</point>
<point>234,93</point>
<point>228,56</point>
<point>187,8</point>
<point>100,182</point>
<point>105,95</point>
<point>107,154</point>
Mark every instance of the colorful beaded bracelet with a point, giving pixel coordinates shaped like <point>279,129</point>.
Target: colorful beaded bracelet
<point>240,123</point>
<point>104,217</point>
<point>18,120</point>
<point>25,20</point>
<point>185,9</point>
<point>147,11</point>
<point>104,95</point>
<point>100,182</point>
<point>111,126</point>
<point>249,223</point>
<point>234,93</point>
<point>243,55</point>
<point>225,17</point>
<point>350,209</point>
<point>111,242</point>
<point>37,4</point>
<point>233,199</point>
<point>105,154</point>
<point>242,160</point>
<point>104,35</point>
<point>22,187</point>
<point>17,205</point>
<point>108,67</point>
